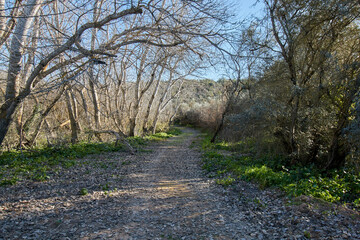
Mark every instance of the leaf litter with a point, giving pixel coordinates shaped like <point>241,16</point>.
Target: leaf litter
<point>162,193</point>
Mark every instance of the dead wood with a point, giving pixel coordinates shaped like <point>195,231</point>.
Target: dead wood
<point>118,135</point>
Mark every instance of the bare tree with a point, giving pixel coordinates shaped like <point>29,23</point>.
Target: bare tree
<point>82,41</point>
<point>7,23</point>
<point>13,97</point>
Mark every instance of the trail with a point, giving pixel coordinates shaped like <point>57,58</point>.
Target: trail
<point>161,194</point>
<point>172,199</point>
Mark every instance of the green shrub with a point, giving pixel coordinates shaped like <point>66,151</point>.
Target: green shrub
<point>265,176</point>
<point>83,191</point>
<point>136,141</point>
<point>174,131</point>
<point>226,181</point>
<point>163,135</point>
<point>158,136</point>
<point>276,171</point>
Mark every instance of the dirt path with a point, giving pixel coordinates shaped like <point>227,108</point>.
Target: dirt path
<point>172,199</point>
<point>163,194</point>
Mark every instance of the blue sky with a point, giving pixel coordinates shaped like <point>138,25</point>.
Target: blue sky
<point>246,8</point>
<point>243,9</point>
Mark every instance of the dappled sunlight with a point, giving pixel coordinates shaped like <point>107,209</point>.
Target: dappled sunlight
<point>173,189</point>
<point>169,147</point>
<point>161,195</point>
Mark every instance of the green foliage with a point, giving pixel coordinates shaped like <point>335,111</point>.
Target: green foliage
<point>276,171</point>
<point>137,141</point>
<point>226,181</point>
<point>164,135</point>
<point>158,136</point>
<point>105,187</point>
<point>83,191</point>
<point>307,234</point>
<point>9,181</point>
<point>265,176</point>
<point>357,202</point>
<point>174,131</point>
<point>36,164</point>
<point>247,146</point>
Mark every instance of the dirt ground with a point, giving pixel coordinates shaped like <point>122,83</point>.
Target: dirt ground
<point>160,193</point>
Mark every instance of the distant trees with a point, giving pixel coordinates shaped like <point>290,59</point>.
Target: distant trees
<point>73,54</point>
<point>202,103</point>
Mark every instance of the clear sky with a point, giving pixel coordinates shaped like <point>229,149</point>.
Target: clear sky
<point>242,9</point>
<point>246,8</point>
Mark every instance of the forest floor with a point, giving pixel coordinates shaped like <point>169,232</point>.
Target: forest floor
<point>161,193</point>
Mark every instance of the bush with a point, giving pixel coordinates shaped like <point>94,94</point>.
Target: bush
<point>276,171</point>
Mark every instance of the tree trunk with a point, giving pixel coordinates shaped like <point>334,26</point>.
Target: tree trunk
<point>293,125</point>
<point>221,124</point>
<point>92,84</point>
<point>132,125</point>
<point>139,92</point>
<point>339,148</point>
<point>44,114</point>
<point>73,123</point>
<point>233,94</point>
<point>19,125</point>
<point>156,117</point>
<point>120,102</point>
<point>153,95</point>
<point>7,21</point>
<point>2,18</point>
<point>14,70</point>
<point>133,115</point>
<point>337,153</point>
<point>84,104</point>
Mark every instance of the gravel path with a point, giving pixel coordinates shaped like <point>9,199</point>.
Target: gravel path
<point>162,194</point>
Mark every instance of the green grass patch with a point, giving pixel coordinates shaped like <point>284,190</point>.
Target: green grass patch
<point>227,181</point>
<point>275,171</point>
<point>83,191</point>
<point>247,146</point>
<point>172,132</point>
<point>137,142</point>
<point>36,164</point>
<point>158,136</point>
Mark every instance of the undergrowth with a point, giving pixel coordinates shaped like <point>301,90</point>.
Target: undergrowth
<point>37,164</point>
<point>172,132</point>
<point>276,171</point>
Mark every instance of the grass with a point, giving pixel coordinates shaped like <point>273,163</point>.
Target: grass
<point>38,164</point>
<point>275,171</point>
<point>172,132</point>
<point>35,164</point>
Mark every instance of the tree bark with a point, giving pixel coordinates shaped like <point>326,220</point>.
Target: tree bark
<point>73,122</point>
<point>153,95</point>
<point>85,107</point>
<point>95,100</point>
<point>14,70</point>
<point>44,114</point>
<point>221,124</point>
<point>2,18</point>
<point>119,137</point>
<point>6,28</point>
<point>138,92</point>
<point>338,149</point>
